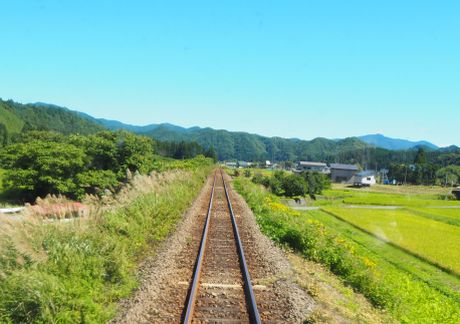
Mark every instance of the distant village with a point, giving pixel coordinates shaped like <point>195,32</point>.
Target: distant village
<point>339,173</point>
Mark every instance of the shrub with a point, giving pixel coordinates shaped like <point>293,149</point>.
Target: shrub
<point>294,185</point>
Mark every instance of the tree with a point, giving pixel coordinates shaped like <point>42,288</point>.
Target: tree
<point>211,153</point>
<point>38,168</point>
<point>420,157</point>
<point>4,137</point>
<point>294,185</point>
<point>448,176</point>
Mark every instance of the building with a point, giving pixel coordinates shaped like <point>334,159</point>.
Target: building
<point>231,165</point>
<point>342,172</point>
<point>456,193</point>
<point>364,179</point>
<point>244,164</point>
<point>312,166</point>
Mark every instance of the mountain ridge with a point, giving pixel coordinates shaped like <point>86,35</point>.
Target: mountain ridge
<point>390,143</point>
<point>229,145</point>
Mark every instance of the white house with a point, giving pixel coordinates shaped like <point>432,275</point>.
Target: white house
<point>364,179</point>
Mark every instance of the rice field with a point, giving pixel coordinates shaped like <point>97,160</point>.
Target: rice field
<point>391,196</point>
<point>445,215</point>
<point>434,241</point>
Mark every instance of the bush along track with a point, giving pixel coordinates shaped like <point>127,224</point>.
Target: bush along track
<point>76,272</point>
<point>402,295</point>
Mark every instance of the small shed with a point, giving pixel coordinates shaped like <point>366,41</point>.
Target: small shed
<point>364,179</point>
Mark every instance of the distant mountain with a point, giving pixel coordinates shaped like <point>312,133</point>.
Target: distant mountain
<point>388,143</point>
<point>117,125</point>
<point>369,151</point>
<point>241,145</point>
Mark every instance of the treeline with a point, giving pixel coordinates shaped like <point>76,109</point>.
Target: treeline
<point>184,150</point>
<point>41,163</point>
<point>442,170</point>
<point>294,185</point>
<point>38,163</point>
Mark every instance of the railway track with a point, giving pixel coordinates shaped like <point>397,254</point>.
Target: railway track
<point>221,289</point>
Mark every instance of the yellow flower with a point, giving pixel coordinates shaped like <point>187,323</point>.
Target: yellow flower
<point>369,263</point>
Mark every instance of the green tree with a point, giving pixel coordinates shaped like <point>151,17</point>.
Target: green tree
<point>135,153</point>
<point>38,168</point>
<point>448,176</point>
<point>4,137</point>
<point>294,185</point>
<point>420,157</point>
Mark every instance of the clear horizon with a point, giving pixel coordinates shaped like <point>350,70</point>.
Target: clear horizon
<point>295,70</point>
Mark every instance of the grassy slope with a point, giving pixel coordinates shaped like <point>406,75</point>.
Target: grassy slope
<point>407,297</point>
<point>76,272</point>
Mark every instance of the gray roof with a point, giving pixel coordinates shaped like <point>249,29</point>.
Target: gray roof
<point>338,166</point>
<point>308,163</point>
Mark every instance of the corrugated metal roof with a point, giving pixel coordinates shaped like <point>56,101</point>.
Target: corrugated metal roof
<point>339,166</point>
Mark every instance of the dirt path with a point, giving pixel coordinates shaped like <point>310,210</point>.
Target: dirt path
<point>165,278</point>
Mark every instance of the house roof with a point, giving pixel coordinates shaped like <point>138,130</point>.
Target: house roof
<point>339,166</point>
<point>316,164</point>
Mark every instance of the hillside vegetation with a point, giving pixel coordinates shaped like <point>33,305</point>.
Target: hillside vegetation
<point>17,117</point>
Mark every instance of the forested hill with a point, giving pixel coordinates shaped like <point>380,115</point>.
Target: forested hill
<point>245,146</point>
<point>16,117</point>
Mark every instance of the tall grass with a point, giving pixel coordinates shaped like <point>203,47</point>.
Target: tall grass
<point>76,272</point>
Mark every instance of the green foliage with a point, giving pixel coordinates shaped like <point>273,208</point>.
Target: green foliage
<point>85,269</point>
<point>448,176</point>
<point>92,181</point>
<point>18,117</point>
<point>316,182</point>
<point>42,163</point>
<point>184,150</point>
<point>420,158</point>
<point>294,185</point>
<point>40,167</point>
<point>12,122</point>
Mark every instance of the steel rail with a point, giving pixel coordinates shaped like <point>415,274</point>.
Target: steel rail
<point>249,292</point>
<point>187,318</point>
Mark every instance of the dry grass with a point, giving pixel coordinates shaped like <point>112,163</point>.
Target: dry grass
<point>21,232</point>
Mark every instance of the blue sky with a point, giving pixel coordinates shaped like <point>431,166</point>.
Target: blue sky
<point>288,68</point>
